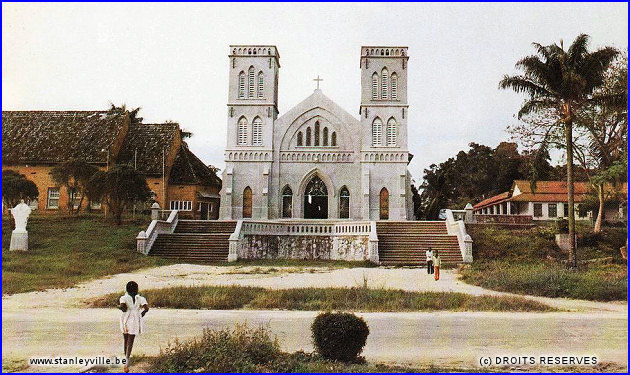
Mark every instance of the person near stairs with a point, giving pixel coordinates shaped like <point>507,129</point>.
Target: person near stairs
<point>429,261</point>
<point>437,263</point>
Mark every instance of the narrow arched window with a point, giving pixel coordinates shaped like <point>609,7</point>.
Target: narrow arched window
<point>391,132</point>
<point>384,204</point>
<point>308,136</point>
<point>250,88</point>
<point>374,86</point>
<point>344,203</point>
<point>242,131</point>
<point>333,139</point>
<point>299,139</point>
<point>377,132</point>
<point>384,85</point>
<point>325,137</point>
<point>287,202</point>
<point>394,84</point>
<point>257,132</point>
<point>261,84</point>
<point>316,134</point>
<point>241,85</point>
<point>247,202</point>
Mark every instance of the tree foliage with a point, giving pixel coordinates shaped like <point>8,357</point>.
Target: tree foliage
<point>475,175</point>
<point>74,176</point>
<point>15,187</point>
<point>559,84</point>
<point>119,188</point>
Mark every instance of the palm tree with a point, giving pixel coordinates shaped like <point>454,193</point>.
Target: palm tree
<point>559,83</point>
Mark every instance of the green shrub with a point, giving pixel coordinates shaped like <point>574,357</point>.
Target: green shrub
<point>562,226</point>
<point>242,349</point>
<point>339,336</point>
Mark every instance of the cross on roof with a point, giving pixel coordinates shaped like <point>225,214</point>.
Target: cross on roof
<point>318,80</point>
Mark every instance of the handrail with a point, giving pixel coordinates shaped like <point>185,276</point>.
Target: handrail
<point>146,239</point>
<point>464,240</point>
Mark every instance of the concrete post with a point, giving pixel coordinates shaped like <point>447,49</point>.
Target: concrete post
<point>141,242</point>
<point>468,242</point>
<point>155,211</point>
<point>468,216</point>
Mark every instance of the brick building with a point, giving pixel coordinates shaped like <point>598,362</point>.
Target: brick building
<point>33,142</point>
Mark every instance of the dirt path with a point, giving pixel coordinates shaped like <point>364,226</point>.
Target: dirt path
<point>410,279</point>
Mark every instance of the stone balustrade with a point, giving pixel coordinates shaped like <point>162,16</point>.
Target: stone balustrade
<point>145,239</point>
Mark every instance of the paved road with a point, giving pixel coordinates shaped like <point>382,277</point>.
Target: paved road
<point>439,338</point>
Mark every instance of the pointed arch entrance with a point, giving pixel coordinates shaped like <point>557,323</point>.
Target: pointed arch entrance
<point>315,199</point>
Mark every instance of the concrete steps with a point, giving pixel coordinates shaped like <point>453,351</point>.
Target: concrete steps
<point>406,243</point>
<point>196,240</point>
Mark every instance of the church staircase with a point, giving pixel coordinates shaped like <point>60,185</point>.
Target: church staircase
<point>198,241</point>
<point>403,243</point>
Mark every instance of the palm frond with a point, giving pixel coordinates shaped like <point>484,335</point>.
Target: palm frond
<point>577,50</point>
<point>523,84</point>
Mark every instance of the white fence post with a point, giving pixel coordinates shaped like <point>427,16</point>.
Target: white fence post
<point>373,244</point>
<point>234,242</point>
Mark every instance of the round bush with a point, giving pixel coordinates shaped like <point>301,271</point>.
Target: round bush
<point>339,336</point>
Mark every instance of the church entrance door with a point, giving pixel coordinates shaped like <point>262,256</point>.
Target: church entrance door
<point>316,199</point>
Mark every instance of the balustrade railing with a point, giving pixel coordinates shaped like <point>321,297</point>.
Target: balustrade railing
<point>145,239</point>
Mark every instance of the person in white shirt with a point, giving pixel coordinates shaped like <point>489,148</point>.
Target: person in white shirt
<point>429,261</point>
<point>134,307</point>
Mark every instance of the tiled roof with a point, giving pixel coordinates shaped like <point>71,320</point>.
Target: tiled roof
<point>58,136</point>
<point>552,187</point>
<point>144,144</point>
<point>547,191</point>
<point>496,199</point>
<point>189,170</point>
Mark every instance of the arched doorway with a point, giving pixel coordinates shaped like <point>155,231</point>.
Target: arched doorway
<point>384,204</point>
<point>316,199</point>
<point>247,202</point>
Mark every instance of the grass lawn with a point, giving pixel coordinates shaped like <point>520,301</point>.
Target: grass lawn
<point>66,250</point>
<point>315,299</point>
<point>529,262</point>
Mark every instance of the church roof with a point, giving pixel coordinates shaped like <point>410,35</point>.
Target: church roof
<point>57,136</point>
<point>144,144</point>
<point>189,170</point>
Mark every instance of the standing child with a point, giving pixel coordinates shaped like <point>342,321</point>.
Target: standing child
<point>134,307</point>
<point>429,261</point>
<point>437,262</point>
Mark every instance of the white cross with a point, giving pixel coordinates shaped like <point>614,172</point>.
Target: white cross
<point>318,80</point>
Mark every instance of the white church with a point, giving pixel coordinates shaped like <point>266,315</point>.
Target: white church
<point>316,161</point>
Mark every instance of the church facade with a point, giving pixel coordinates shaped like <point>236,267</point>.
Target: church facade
<point>316,161</point>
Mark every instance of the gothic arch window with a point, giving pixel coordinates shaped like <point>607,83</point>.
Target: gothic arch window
<point>333,139</point>
<point>384,204</point>
<point>308,136</point>
<point>325,137</point>
<point>300,139</point>
<point>241,85</point>
<point>247,202</point>
<point>377,132</point>
<point>261,84</point>
<point>384,85</point>
<point>257,132</point>
<point>374,86</point>
<point>316,134</point>
<point>242,131</point>
<point>394,84</point>
<point>344,203</point>
<point>250,88</point>
<point>287,202</point>
<point>391,132</point>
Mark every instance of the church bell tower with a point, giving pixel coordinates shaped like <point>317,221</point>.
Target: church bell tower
<point>252,111</point>
<point>384,152</point>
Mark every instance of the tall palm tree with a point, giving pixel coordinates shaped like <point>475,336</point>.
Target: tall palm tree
<point>560,82</point>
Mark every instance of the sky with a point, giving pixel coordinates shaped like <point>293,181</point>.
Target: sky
<point>171,60</point>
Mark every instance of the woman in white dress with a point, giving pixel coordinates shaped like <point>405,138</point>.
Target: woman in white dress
<point>134,307</point>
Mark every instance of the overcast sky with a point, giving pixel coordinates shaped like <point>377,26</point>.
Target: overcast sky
<point>171,60</point>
